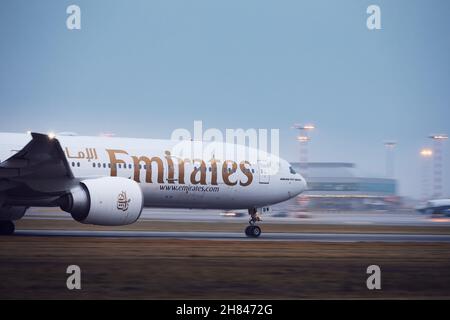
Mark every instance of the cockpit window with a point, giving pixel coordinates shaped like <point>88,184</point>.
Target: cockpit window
<point>292,170</point>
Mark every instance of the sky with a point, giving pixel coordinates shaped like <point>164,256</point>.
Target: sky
<point>146,68</point>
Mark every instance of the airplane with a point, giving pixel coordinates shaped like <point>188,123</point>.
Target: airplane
<point>108,181</point>
<point>436,206</point>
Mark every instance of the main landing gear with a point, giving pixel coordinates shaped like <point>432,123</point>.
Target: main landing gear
<point>7,228</point>
<point>253,230</point>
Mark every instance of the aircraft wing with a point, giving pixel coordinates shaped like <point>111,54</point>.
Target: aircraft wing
<point>40,166</point>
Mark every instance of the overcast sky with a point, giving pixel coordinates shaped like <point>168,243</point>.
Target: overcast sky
<point>145,68</point>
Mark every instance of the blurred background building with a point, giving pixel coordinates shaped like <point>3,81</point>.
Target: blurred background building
<point>337,186</point>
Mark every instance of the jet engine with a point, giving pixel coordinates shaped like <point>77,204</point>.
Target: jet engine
<point>107,201</point>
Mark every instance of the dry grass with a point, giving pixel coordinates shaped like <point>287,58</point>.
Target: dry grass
<point>155,269</point>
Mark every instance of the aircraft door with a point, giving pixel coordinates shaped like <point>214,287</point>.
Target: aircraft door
<point>263,169</point>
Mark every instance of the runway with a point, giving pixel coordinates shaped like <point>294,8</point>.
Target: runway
<point>408,218</point>
<point>269,236</point>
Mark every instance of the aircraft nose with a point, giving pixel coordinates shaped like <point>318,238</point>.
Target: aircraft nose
<point>304,184</point>
<point>300,185</point>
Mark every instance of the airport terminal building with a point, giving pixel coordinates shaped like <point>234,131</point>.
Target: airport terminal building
<point>336,186</point>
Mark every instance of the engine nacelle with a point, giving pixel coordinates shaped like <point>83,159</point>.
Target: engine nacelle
<point>107,201</point>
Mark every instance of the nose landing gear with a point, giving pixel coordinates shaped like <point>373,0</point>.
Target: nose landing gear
<point>253,230</point>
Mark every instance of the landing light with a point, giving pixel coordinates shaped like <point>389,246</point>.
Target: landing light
<point>426,152</point>
<point>51,135</point>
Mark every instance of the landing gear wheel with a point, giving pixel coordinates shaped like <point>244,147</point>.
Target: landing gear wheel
<point>253,231</point>
<point>7,228</point>
<point>256,231</point>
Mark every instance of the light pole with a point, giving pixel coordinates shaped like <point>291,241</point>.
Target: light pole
<point>426,154</point>
<point>390,146</point>
<point>438,140</point>
<point>304,139</point>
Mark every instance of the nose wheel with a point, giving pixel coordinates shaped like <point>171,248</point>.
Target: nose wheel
<point>253,230</point>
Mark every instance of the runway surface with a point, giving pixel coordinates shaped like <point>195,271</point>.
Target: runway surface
<point>408,218</point>
<point>302,237</point>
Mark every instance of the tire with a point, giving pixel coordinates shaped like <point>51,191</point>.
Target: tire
<point>248,231</point>
<point>256,231</point>
<point>7,228</point>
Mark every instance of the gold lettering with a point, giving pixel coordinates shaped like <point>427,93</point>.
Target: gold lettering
<point>214,172</point>
<point>226,174</point>
<point>202,170</point>
<point>171,169</point>
<point>247,172</point>
<point>148,171</point>
<point>114,161</point>
<point>181,171</point>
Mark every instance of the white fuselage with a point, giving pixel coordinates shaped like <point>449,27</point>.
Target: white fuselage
<point>166,180</point>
